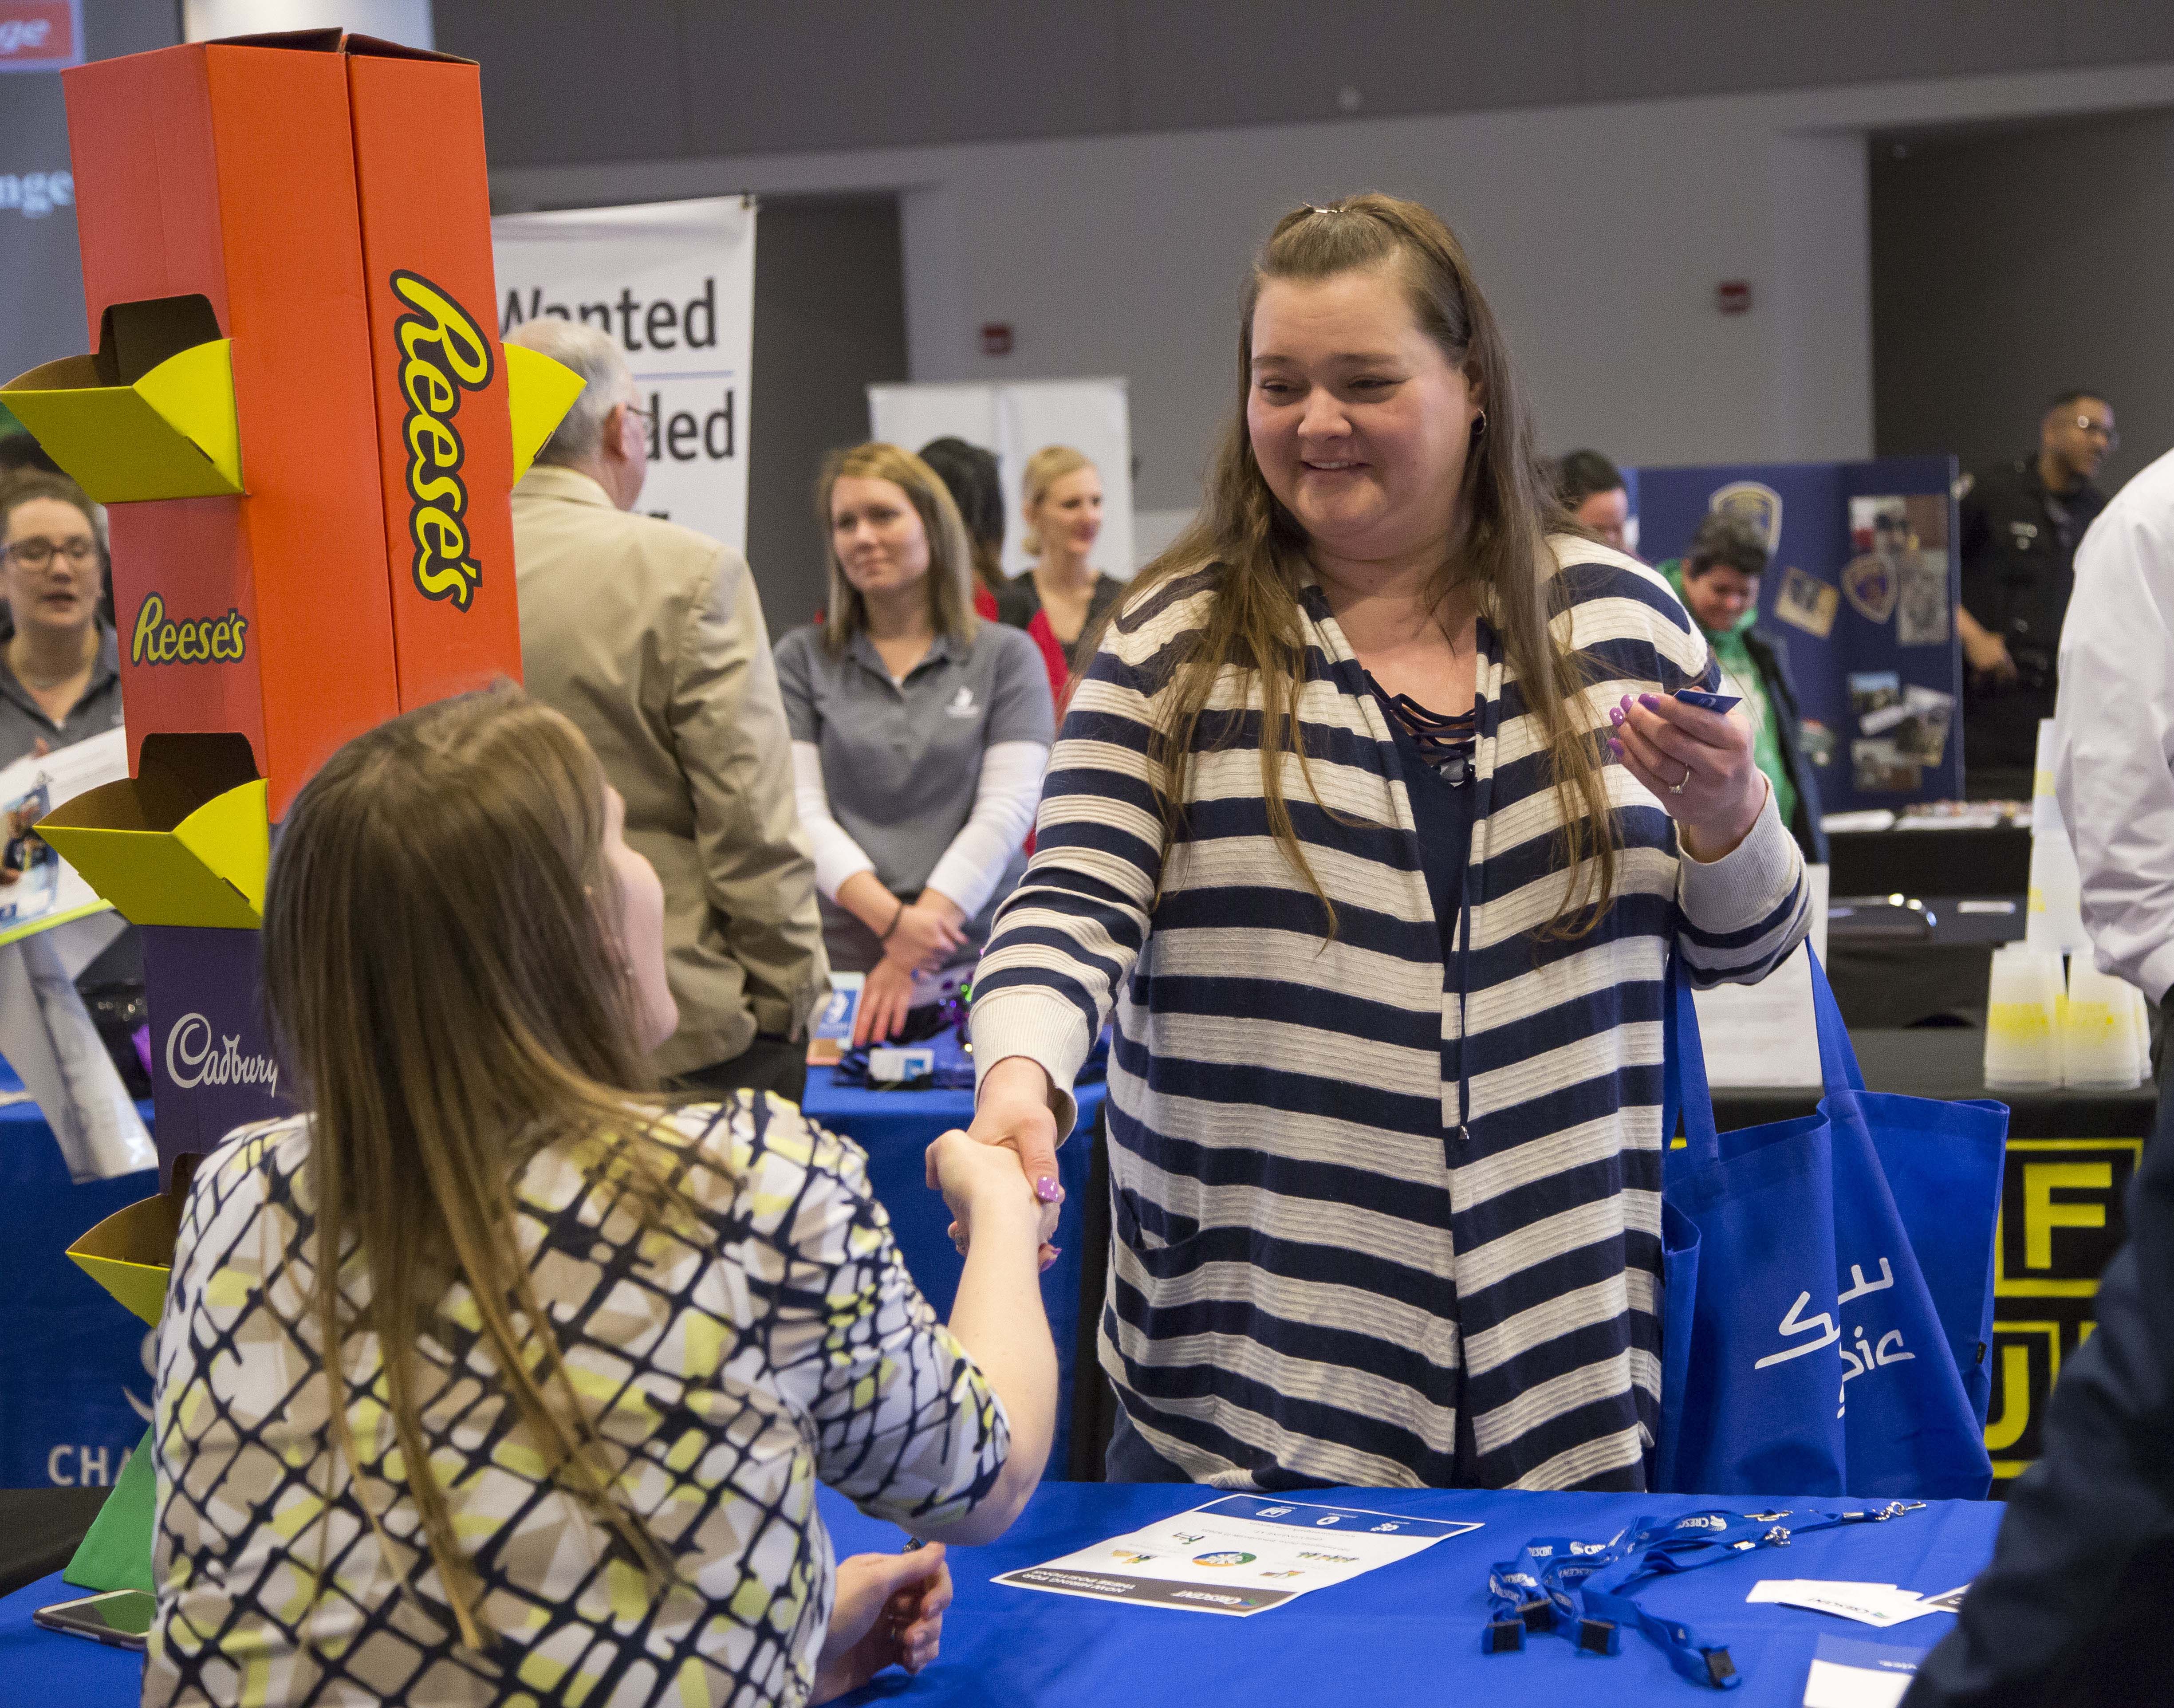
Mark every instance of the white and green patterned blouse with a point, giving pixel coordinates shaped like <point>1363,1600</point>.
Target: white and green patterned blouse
<point>787,1346</point>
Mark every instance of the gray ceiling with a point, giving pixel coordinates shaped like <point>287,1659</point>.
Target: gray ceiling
<point>648,79</point>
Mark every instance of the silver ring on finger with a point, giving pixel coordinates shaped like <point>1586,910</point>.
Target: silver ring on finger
<point>1678,788</point>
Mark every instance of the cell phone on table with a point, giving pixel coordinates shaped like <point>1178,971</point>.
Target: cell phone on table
<point>121,1617</point>
<point>1709,702</point>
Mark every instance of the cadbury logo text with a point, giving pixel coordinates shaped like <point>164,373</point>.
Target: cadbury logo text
<point>196,1056</point>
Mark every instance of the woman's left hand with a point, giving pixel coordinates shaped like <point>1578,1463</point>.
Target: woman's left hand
<point>889,1611</point>
<point>886,997</point>
<point>1698,766</point>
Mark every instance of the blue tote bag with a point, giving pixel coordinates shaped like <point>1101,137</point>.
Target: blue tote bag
<point>1828,1286</point>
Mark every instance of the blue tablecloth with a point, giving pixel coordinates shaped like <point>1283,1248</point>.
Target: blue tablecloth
<point>1391,1634</point>
<point>895,1128</point>
<point>75,1381</point>
<point>71,1407</point>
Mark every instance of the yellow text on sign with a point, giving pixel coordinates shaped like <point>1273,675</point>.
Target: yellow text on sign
<point>2041,1215</point>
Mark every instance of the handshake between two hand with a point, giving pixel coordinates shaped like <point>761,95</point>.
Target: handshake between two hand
<point>1003,1167</point>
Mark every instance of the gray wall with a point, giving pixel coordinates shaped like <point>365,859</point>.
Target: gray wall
<point>829,321</point>
<point>41,271</point>
<point>660,79</point>
<point>2010,266</point>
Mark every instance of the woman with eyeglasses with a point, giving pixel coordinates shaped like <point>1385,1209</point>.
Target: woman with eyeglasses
<point>59,665</point>
<point>60,684</point>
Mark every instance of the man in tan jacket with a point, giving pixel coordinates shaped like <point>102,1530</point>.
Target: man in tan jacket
<point>650,638</point>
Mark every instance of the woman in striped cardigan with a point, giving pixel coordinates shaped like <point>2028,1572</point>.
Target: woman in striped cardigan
<point>1374,824</point>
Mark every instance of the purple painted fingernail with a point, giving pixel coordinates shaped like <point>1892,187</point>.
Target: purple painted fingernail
<point>1616,714</point>
<point>1651,702</point>
<point>1615,747</point>
<point>1047,1190</point>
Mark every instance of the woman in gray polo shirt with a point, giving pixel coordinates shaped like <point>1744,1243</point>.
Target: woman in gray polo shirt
<point>920,733</point>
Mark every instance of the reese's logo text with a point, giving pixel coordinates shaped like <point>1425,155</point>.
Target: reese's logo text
<point>443,353</point>
<point>205,640</point>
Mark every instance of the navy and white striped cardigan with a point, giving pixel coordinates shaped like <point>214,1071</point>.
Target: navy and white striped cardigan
<point>1321,1268</point>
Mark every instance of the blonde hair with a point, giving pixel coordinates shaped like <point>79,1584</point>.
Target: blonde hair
<point>444,982</point>
<point>951,551</point>
<point>1044,469</point>
<point>1256,550</point>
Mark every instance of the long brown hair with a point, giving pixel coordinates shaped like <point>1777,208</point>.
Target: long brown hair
<point>1256,550</point>
<point>951,551</point>
<point>445,986</point>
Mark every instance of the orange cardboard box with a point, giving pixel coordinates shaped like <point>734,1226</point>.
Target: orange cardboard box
<point>216,200</point>
<point>447,390</point>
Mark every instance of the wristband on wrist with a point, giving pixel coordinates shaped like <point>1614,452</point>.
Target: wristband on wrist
<point>892,925</point>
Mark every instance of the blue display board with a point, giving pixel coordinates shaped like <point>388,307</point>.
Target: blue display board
<point>75,1368</point>
<point>1862,584</point>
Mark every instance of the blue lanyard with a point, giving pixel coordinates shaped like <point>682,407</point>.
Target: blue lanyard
<point>1580,1590</point>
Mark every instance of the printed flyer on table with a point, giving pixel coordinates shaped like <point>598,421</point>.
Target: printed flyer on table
<point>1237,1556</point>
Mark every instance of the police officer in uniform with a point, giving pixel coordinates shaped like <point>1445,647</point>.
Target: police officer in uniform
<point>2020,524</point>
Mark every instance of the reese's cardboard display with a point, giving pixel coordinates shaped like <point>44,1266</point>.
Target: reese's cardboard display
<point>308,433</point>
<point>301,413</point>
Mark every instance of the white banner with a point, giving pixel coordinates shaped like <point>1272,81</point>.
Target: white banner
<point>1015,421</point>
<point>674,283</point>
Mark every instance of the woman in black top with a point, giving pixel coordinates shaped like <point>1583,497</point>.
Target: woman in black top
<point>1064,510</point>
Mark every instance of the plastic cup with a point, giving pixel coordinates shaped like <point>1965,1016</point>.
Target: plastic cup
<point>2098,1029</point>
<point>2023,1020</point>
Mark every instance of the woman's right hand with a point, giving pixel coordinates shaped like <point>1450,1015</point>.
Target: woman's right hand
<point>979,1183</point>
<point>1012,1113</point>
<point>922,939</point>
<point>886,999</point>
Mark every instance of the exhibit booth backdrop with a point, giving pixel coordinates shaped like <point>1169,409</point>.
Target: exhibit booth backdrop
<point>674,283</point>
<point>1093,416</point>
<point>1862,583</point>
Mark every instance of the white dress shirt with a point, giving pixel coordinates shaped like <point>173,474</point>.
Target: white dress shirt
<point>2113,763</point>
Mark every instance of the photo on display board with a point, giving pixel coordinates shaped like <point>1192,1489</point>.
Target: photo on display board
<point>1872,691</point>
<point>1807,602</point>
<point>1926,514</point>
<point>1817,742</point>
<point>1880,527</point>
<point>1921,736</point>
<point>1922,608</point>
<point>1879,768</point>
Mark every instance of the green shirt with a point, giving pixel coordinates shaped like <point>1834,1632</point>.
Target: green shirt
<point>1743,676</point>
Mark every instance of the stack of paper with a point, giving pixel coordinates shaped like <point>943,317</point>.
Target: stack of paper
<point>1868,1603</point>
<point>1847,1673</point>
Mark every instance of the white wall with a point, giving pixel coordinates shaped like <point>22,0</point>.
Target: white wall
<point>1599,232</point>
<point>406,21</point>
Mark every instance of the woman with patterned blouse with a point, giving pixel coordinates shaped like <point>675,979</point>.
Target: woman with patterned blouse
<point>589,1353</point>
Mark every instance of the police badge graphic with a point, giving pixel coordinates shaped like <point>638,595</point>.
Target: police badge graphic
<point>1871,585</point>
<point>1754,502</point>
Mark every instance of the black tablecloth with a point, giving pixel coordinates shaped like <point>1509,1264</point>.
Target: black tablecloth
<point>1929,862</point>
<point>1948,1063</point>
<point>39,1529</point>
<point>1928,962</point>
